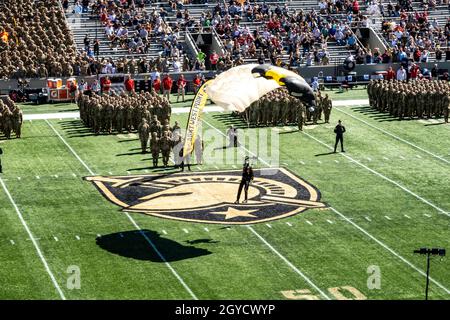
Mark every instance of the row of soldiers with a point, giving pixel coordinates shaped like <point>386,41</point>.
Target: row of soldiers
<point>412,99</point>
<point>11,118</point>
<point>164,140</point>
<point>279,107</point>
<point>118,113</point>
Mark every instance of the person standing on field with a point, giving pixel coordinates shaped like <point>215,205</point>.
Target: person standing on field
<point>339,130</point>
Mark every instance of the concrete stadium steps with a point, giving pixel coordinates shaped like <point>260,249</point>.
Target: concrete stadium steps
<point>86,24</point>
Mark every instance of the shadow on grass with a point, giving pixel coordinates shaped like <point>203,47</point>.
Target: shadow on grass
<point>324,154</point>
<point>134,245</point>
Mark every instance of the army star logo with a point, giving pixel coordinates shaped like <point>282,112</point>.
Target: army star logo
<point>209,197</point>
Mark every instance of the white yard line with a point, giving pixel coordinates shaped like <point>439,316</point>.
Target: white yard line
<point>396,137</point>
<point>390,250</point>
<point>169,266</point>
<point>383,177</point>
<point>35,244</point>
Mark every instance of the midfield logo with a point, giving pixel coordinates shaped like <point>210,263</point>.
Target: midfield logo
<point>209,197</point>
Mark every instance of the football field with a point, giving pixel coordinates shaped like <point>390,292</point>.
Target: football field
<point>387,196</point>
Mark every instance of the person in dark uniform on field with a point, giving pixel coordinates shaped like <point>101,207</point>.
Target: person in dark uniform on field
<point>247,177</point>
<point>339,130</point>
<point>1,152</point>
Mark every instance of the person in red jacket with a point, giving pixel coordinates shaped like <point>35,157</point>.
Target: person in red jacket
<point>213,59</point>
<point>181,84</point>
<point>197,82</point>
<point>355,7</point>
<point>167,86</point>
<point>106,85</point>
<point>415,71</point>
<point>390,74</point>
<point>157,84</point>
<point>129,84</point>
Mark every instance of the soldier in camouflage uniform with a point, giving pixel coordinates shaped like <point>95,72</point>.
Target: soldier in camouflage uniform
<point>166,147</point>
<point>155,148</point>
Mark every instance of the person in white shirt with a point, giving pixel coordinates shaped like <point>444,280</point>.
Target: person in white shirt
<point>232,135</point>
<point>401,74</point>
<point>176,65</point>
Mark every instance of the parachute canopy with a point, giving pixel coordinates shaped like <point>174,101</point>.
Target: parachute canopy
<point>237,88</point>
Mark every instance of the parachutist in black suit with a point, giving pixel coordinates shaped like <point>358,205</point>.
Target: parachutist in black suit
<point>296,87</point>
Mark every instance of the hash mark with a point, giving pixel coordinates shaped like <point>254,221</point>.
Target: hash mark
<point>369,159</point>
<point>164,231</point>
<point>418,156</point>
<point>427,215</point>
<point>37,177</point>
<point>73,174</point>
<point>402,157</point>
<point>289,224</point>
<point>329,221</point>
<point>18,178</point>
<point>385,158</point>
<point>302,162</point>
<point>368,219</point>
<point>12,242</point>
<point>77,237</point>
<point>185,230</point>
<point>336,161</point>
<point>99,235</point>
<point>109,172</point>
<point>387,217</point>
<point>128,172</point>
<point>308,222</point>
<point>407,216</point>
<point>319,162</point>
<point>56,176</point>
<point>56,239</point>
<point>268,225</point>
<point>216,167</point>
<point>206,229</point>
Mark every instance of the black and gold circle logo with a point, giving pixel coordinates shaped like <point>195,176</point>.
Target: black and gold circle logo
<point>209,197</point>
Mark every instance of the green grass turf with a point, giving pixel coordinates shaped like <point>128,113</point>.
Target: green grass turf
<point>329,250</point>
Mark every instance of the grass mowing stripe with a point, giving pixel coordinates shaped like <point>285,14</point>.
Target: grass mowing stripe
<point>33,240</point>
<point>390,250</point>
<point>132,220</point>
<point>382,176</point>
<point>264,240</point>
<point>394,136</point>
<point>289,263</point>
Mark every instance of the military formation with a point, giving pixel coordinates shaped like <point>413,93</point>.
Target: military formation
<point>147,113</point>
<point>11,118</point>
<point>37,41</point>
<point>415,99</point>
<point>278,107</point>
<point>123,113</point>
